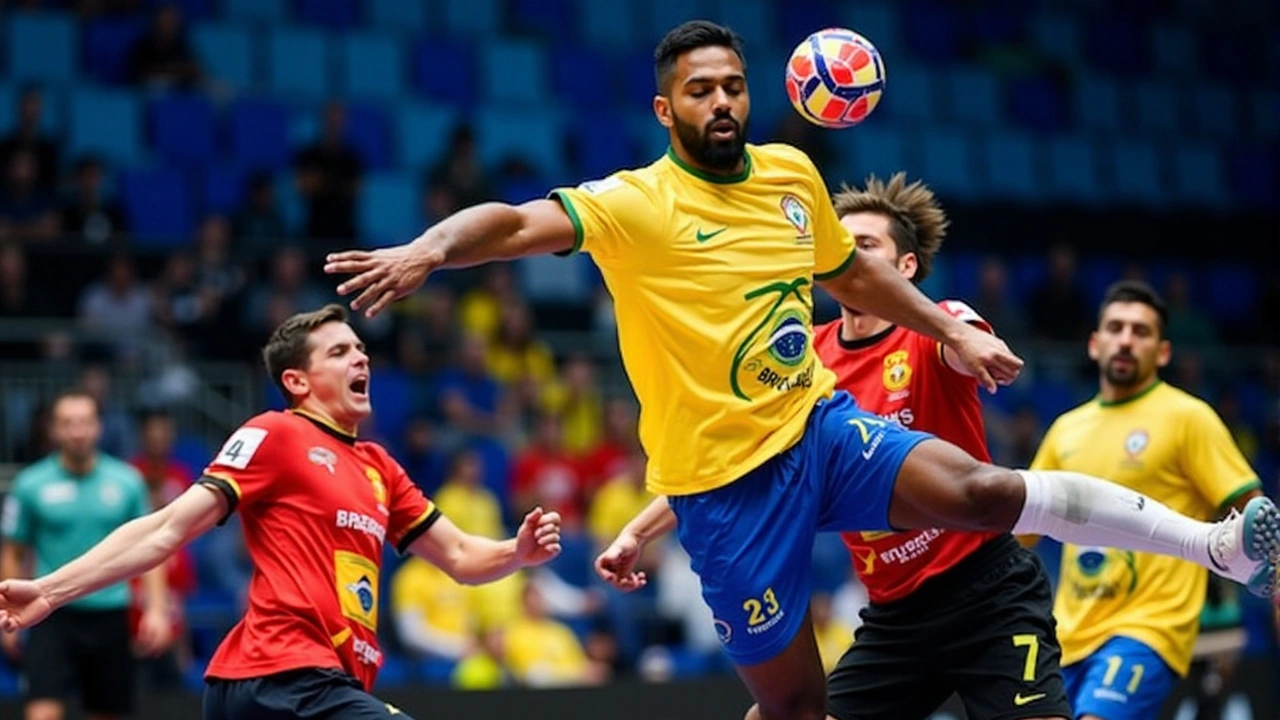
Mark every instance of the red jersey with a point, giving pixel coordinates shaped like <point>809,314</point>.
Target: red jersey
<point>316,506</point>
<point>555,478</point>
<point>900,375</point>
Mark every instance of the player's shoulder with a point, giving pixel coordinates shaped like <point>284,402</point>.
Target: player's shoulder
<point>274,421</point>
<point>36,473</point>
<point>1174,402</point>
<point>1082,413</point>
<point>780,155</point>
<point>826,332</point>
<point>376,452</point>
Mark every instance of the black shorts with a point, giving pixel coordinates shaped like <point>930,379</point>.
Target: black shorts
<point>309,693</point>
<point>88,651</point>
<point>983,629</point>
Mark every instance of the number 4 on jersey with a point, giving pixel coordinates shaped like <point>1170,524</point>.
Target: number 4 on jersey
<point>240,448</point>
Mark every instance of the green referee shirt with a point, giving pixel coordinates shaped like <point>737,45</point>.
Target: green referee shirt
<point>59,516</point>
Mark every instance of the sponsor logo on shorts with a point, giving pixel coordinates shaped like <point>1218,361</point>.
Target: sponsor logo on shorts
<point>724,631</point>
<point>1020,699</point>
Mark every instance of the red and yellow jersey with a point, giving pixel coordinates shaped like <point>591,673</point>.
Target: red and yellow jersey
<point>900,375</point>
<point>317,506</point>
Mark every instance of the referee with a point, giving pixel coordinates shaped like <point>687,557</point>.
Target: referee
<point>60,507</point>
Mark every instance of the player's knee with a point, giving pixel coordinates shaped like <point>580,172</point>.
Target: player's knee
<point>994,496</point>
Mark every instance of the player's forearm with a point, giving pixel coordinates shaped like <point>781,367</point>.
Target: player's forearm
<point>655,520</point>
<point>133,548</point>
<point>479,560</point>
<point>156,585</point>
<point>473,236</point>
<point>875,287</point>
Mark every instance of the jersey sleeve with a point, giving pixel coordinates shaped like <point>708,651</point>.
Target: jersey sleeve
<point>17,519</point>
<point>1047,455</point>
<point>412,513</point>
<point>246,468</point>
<point>609,216</point>
<point>833,245</point>
<point>1211,459</point>
<point>965,313</point>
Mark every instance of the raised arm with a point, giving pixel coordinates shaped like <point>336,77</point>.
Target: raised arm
<point>479,234</point>
<point>474,560</point>
<point>131,549</point>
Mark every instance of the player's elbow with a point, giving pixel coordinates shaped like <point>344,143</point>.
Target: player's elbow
<point>993,496</point>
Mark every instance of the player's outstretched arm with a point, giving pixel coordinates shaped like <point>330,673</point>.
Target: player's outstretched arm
<point>130,550</point>
<point>874,286</point>
<point>480,234</point>
<point>475,560</point>
<point>616,565</point>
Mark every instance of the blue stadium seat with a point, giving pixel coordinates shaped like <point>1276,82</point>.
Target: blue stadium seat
<point>226,54</point>
<point>659,16</point>
<point>551,279</point>
<point>53,119</point>
<point>106,123</point>
<point>182,128</point>
<point>946,161</point>
<point>369,132</point>
<point>392,395</point>
<point>638,83</point>
<point>1056,35</point>
<point>1137,172</point>
<point>157,204</point>
<point>1158,113</point>
<point>753,20</point>
<point>580,75</point>
<point>1253,176</point>
<point>192,10</point>
<point>514,71</point>
<point>1214,111</point>
<point>1037,102</point>
<point>371,66</point>
<point>602,143</point>
<point>222,189</point>
<point>1097,101</point>
<point>1232,290</point>
<point>423,131</point>
<point>611,25</point>
<point>933,34</point>
<point>973,96</point>
<point>1011,166</point>
<point>332,14</point>
<point>398,16</point>
<point>445,70</point>
<point>388,208</point>
<point>1116,44</point>
<point>798,21</point>
<point>548,19</point>
<point>651,139</point>
<point>1096,275</point>
<point>298,63</point>
<point>911,93</point>
<point>472,18</point>
<point>1198,178</point>
<point>1266,114</point>
<point>41,46</point>
<point>1174,50</point>
<point>1073,169</point>
<point>259,134</point>
<point>108,47</point>
<point>267,12</point>
<point>878,149</point>
<point>998,23</point>
<point>532,134</point>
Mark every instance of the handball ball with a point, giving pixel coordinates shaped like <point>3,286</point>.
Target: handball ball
<point>835,78</point>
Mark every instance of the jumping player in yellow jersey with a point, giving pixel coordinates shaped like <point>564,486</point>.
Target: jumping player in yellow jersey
<point>1127,621</point>
<point>710,254</point>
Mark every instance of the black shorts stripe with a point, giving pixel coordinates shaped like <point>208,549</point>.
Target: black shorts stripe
<point>227,491</point>
<point>416,532</point>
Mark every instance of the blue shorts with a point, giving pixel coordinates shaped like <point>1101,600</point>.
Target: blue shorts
<point>751,541</point>
<point>1122,680</point>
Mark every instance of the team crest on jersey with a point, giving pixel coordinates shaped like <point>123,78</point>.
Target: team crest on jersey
<point>1135,442</point>
<point>795,213</point>
<point>324,457</point>
<point>897,371</point>
<point>379,488</point>
<point>356,581</point>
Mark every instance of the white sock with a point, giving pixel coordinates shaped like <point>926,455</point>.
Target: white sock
<point>1084,510</point>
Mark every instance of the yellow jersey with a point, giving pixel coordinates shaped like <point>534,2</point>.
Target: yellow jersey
<point>544,652</point>
<point>711,279</point>
<point>1172,447</point>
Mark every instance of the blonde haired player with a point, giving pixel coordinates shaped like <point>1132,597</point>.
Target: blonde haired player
<point>710,254</point>
<point>1128,621</point>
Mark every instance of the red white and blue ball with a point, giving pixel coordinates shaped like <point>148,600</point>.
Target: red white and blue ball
<point>835,78</point>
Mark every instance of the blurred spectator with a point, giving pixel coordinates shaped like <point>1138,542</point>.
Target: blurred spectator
<point>464,499</point>
<point>428,331</point>
<point>182,305</point>
<point>470,401</point>
<point>162,57</point>
<point>328,176</point>
<point>995,303</point>
<point>1058,308</point>
<point>1190,326</point>
<point>459,179</point>
<point>38,443</point>
<point>420,457</point>
<point>119,433</point>
<point>576,399</point>
<point>87,215</point>
<point>546,474</point>
<point>27,212</point>
<point>288,291</point>
<point>27,137</point>
<point>617,501</point>
<point>433,614</point>
<point>118,307</point>
<point>543,652</point>
<point>833,636</point>
<point>259,224</point>
<point>480,309</point>
<point>519,360</point>
<point>225,564</point>
<point>18,296</point>
<point>620,441</point>
<point>1246,438</point>
<point>165,475</point>
<point>1189,375</point>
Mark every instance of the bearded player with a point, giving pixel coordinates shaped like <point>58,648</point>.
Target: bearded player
<point>317,506</point>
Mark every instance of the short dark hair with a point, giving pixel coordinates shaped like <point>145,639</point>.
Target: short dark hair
<point>688,36</point>
<point>1136,291</point>
<point>289,347</point>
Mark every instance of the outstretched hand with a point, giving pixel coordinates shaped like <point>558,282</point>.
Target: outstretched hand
<point>22,604</point>
<point>382,276</point>
<point>988,358</point>
<point>617,564</point>
<point>538,539</point>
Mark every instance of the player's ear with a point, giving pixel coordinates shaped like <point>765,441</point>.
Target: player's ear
<point>908,265</point>
<point>662,110</point>
<point>1093,346</point>
<point>1164,353</point>
<point>295,381</point>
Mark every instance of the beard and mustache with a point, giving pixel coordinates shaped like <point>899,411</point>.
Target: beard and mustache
<point>709,152</point>
<point>1123,375</point>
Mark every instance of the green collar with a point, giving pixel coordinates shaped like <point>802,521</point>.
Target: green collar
<point>1144,393</point>
<point>704,175</point>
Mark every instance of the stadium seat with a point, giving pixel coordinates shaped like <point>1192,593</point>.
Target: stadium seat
<point>226,54</point>
<point>637,80</point>
<point>369,132</point>
<point>267,12</point>
<point>753,20</point>
<point>997,23</point>
<point>1116,44</point>
<point>911,93</point>
<point>106,123</point>
<point>423,131</point>
<point>1198,179</point>
<point>157,204</point>
<point>1096,274</point>
<point>1266,114</point>
<point>933,34</point>
<point>371,66</point>
<point>51,122</point>
<point>946,161</point>
<point>182,129</point>
<point>1037,102</point>
<point>657,17</point>
<point>1174,50</point>
<point>445,70</point>
<point>1011,166</point>
<point>610,25</point>
<point>398,16</point>
<point>392,395</point>
<point>878,149</point>
<point>551,279</point>
<point>41,46</point>
<point>472,18</point>
<point>1137,172</point>
<point>972,95</point>
<point>108,47</point>
<point>222,189</point>
<point>1097,101</point>
<point>331,14</point>
<point>602,144</point>
<point>387,209</point>
<point>580,75</point>
<point>532,135</point>
<point>192,10</point>
<point>1214,110</point>
<point>651,139</point>
<point>1073,169</point>
<point>259,134</point>
<point>547,19</point>
<point>1158,113</point>
<point>1056,35</point>
<point>1253,176</point>
<point>513,71</point>
<point>1232,289</point>
<point>298,63</point>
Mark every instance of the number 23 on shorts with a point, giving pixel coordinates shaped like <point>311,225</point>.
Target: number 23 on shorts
<point>760,610</point>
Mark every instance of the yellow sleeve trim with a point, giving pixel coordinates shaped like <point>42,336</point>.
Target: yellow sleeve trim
<point>823,276</point>
<point>340,637</point>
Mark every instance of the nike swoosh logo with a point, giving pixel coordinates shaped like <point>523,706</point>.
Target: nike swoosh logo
<point>1021,699</point>
<point>703,237</point>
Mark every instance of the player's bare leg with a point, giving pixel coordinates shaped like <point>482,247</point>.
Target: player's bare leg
<point>791,686</point>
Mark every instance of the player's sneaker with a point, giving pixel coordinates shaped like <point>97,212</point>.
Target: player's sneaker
<point>1246,546</point>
